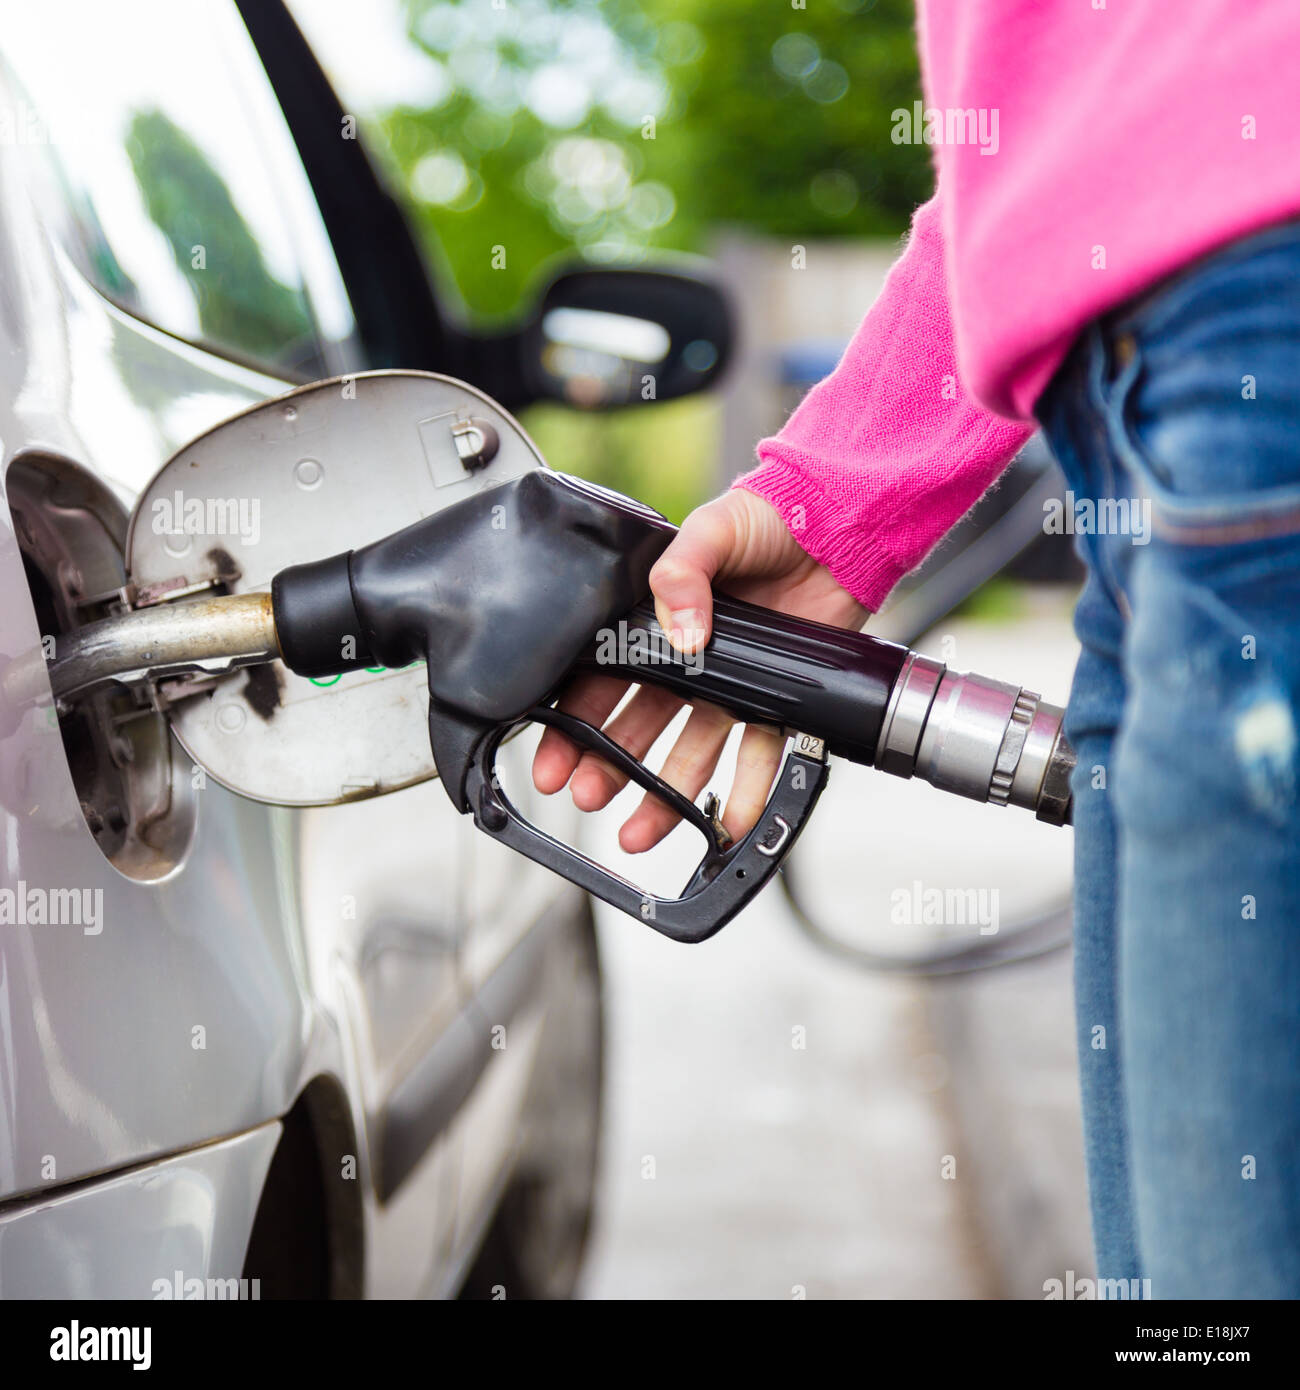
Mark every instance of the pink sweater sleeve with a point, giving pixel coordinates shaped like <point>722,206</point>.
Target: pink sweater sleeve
<point>888,453</point>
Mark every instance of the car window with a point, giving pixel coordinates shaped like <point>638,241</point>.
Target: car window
<point>167,173</point>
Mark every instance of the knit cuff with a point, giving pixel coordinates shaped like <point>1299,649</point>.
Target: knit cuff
<point>859,562</point>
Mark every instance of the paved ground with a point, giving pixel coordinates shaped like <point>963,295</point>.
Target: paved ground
<point>782,1124</point>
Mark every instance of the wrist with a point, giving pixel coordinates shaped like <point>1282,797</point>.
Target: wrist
<point>858,559</point>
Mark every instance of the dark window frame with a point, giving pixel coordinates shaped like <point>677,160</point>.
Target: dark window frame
<point>398,320</point>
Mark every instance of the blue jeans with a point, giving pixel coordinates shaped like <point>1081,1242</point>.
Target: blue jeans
<point>1185,406</point>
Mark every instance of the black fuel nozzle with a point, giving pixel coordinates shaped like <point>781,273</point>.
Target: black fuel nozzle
<point>506,593</point>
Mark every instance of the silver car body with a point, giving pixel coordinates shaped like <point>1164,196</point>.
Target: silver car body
<point>148,1056</point>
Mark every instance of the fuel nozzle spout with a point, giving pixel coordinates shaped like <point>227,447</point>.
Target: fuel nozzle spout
<point>978,738</point>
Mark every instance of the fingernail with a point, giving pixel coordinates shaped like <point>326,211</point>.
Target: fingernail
<point>687,628</point>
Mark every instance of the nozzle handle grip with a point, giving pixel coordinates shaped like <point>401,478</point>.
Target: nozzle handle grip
<point>963,733</point>
<point>769,668</point>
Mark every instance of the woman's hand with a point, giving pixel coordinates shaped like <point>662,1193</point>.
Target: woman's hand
<point>741,542</point>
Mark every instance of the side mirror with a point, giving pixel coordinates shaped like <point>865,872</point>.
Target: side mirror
<point>604,337</point>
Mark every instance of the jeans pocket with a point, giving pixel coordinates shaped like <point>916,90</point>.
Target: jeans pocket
<point>1204,413</point>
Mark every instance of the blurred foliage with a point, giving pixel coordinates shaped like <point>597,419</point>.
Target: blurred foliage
<point>784,117</point>
<point>605,127</point>
<point>608,128</point>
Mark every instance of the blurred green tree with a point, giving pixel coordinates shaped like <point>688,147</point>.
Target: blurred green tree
<point>783,116</point>
<point>610,128</point>
<point>605,127</point>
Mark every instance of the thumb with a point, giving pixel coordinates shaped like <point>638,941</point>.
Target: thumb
<point>681,578</point>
